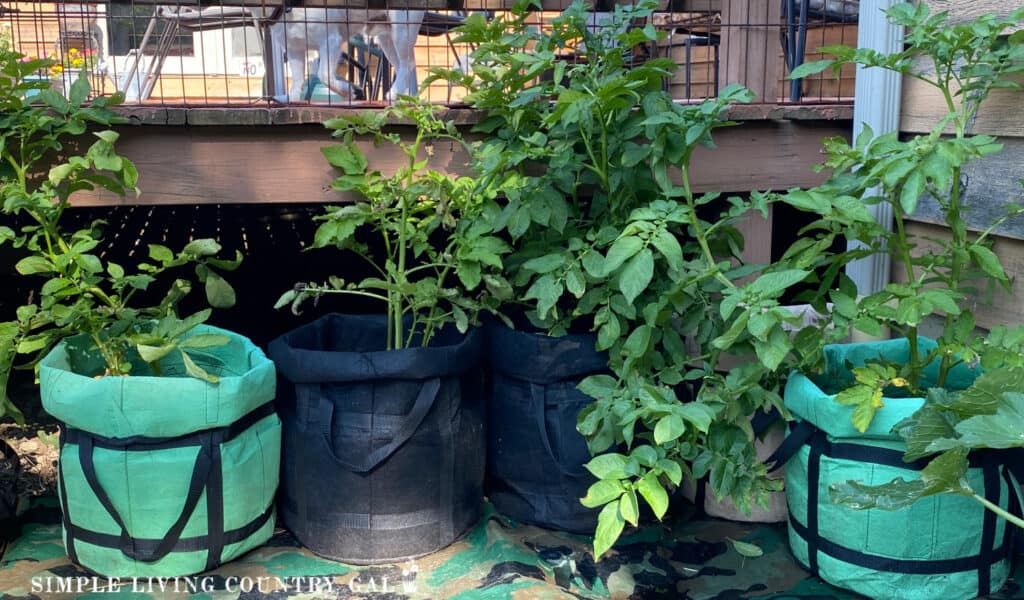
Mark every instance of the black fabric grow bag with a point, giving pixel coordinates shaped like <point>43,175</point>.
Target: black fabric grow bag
<point>535,456</point>
<point>383,452</point>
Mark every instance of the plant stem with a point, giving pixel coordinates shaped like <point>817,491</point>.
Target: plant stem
<point>908,265</point>
<point>999,510</point>
<point>700,234</point>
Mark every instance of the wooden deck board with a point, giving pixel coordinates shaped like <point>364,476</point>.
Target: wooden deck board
<point>283,163</point>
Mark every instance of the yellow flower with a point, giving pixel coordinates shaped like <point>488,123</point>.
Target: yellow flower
<point>73,52</point>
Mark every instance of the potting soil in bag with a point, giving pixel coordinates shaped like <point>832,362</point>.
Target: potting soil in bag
<point>383,450</point>
<point>535,456</point>
<point>164,476</point>
<point>944,546</point>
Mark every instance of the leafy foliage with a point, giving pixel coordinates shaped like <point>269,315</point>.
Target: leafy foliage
<point>440,263</point>
<point>82,293</point>
<point>953,424</point>
<point>587,164</point>
<point>964,63</point>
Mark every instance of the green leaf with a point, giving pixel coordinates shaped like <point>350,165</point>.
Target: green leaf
<point>195,370</point>
<point>653,492</point>
<point>669,427</point>
<point>599,387</point>
<point>576,283</point>
<point>602,492</point>
<point>545,264</point>
<point>461,319</point>
<point>944,475</point>
<point>672,470</point>
<point>637,342</point>
<point>629,508</point>
<point>774,351</point>
<point>922,428</point>
<point>608,466</point>
<point>154,353</point>
<point>637,274</point>
<point>219,292</point>
<point>700,415</point>
<point>202,247</point>
<point>746,549</point>
<point>160,253</point>
<point>988,261</point>
<point>1002,430</point>
<point>33,264</point>
<point>347,157</point>
<point>810,68</point>
<point>115,270</point>
<point>866,400</point>
<point>469,274</point>
<point>609,527</point>
<point>913,187</point>
<point>204,340</point>
<point>985,395</point>
<point>59,173</point>
<point>669,247</point>
<point>89,263</point>
<point>773,284</point>
<point>645,455</point>
<point>546,290</point>
<point>622,250</point>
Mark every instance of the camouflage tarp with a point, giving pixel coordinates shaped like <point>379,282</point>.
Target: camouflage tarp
<point>496,560</point>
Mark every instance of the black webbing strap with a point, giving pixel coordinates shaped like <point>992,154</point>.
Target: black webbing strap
<point>196,543</point>
<point>200,474</point>
<point>215,511</point>
<point>989,462</point>
<point>69,528</point>
<point>446,469</point>
<point>411,422</point>
<point>813,477</point>
<point>759,423</point>
<point>206,476</point>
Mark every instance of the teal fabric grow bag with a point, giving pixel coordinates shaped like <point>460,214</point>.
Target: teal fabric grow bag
<point>941,547</point>
<point>164,476</point>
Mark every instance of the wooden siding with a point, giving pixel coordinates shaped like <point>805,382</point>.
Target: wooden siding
<point>225,164</point>
<point>992,305</point>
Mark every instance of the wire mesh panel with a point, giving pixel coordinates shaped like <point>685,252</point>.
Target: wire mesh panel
<point>340,53</point>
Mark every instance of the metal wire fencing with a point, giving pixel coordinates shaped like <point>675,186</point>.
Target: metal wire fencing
<point>271,52</point>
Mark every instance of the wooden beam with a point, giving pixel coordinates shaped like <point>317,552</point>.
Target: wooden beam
<point>992,182</point>
<point>283,163</point>
<point>964,12</point>
<point>923,107</point>
<point>992,305</point>
<point>749,46</point>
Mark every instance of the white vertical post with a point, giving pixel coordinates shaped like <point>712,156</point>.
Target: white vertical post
<point>876,103</point>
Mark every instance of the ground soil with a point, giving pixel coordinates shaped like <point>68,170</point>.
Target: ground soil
<point>38,456</point>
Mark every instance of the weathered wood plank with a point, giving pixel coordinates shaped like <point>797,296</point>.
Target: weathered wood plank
<point>306,114</point>
<point>991,306</point>
<point>749,53</point>
<point>205,165</point>
<point>923,106</point>
<point>961,11</point>
<point>992,182</point>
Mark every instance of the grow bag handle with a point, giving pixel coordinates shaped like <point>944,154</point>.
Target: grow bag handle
<point>800,432</point>
<point>424,402</point>
<point>200,475</point>
<point>537,394</point>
